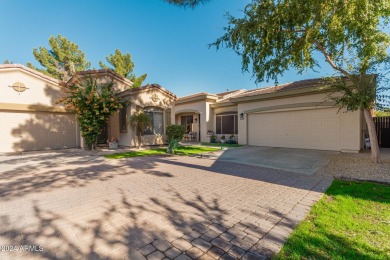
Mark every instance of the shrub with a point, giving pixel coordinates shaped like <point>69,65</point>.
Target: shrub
<point>175,133</point>
<point>93,105</point>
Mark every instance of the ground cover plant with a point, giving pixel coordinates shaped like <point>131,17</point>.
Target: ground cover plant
<point>181,150</point>
<point>351,221</point>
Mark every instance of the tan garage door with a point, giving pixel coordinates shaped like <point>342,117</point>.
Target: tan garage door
<point>306,129</point>
<point>25,131</point>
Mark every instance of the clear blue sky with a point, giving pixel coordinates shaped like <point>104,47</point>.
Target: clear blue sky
<point>166,42</point>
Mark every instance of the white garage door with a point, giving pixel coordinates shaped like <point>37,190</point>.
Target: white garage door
<point>306,129</point>
<point>24,131</point>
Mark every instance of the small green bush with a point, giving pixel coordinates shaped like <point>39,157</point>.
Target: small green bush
<point>175,133</point>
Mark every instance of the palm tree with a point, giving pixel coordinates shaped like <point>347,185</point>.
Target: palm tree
<point>185,3</point>
<point>139,121</point>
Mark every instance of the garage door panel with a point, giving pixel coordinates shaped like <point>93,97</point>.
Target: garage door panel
<point>316,113</point>
<point>23,131</point>
<point>306,129</point>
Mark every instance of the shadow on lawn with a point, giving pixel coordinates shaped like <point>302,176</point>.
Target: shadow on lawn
<point>330,246</point>
<point>361,190</point>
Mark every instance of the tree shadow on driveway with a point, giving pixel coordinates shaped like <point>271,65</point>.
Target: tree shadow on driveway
<point>158,207</point>
<point>119,230</point>
<point>48,175</point>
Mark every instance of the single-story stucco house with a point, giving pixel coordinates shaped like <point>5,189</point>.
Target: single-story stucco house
<point>295,115</point>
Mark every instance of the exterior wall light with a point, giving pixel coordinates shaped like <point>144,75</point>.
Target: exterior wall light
<point>242,116</point>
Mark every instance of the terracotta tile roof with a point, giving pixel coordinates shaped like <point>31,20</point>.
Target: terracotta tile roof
<point>226,96</point>
<point>151,86</point>
<point>147,87</point>
<point>219,97</point>
<point>100,72</point>
<point>225,93</point>
<point>27,69</point>
<point>196,95</point>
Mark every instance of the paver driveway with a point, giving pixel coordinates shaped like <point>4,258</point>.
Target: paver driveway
<point>79,207</point>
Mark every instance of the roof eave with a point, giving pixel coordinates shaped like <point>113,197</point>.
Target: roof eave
<point>196,98</point>
<point>132,91</point>
<point>35,73</point>
<point>282,94</point>
<point>115,75</point>
<point>223,104</point>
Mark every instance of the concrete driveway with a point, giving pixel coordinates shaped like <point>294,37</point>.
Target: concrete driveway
<point>287,159</point>
<point>74,205</point>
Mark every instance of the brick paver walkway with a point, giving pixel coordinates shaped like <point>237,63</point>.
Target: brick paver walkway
<point>151,207</point>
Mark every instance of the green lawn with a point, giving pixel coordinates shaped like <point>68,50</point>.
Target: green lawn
<point>183,150</point>
<point>351,221</point>
<point>222,145</point>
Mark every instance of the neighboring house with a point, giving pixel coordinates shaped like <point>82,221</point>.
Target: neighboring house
<point>29,117</point>
<point>295,115</point>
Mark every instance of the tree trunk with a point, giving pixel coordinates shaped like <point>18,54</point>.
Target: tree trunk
<point>139,141</point>
<point>375,156</point>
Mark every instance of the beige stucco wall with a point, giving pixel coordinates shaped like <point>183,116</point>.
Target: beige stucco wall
<point>350,122</point>
<point>138,101</point>
<point>31,120</point>
<point>118,84</point>
<point>210,122</point>
<point>39,91</point>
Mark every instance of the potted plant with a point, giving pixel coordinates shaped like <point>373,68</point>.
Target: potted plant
<point>231,140</point>
<point>213,138</point>
<point>113,143</point>
<point>223,139</point>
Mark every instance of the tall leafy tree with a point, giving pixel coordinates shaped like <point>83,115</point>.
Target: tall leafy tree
<point>276,35</point>
<point>124,66</point>
<point>93,105</point>
<point>62,60</point>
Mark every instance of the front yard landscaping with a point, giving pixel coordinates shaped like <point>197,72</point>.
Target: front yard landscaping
<point>351,221</point>
<point>182,150</point>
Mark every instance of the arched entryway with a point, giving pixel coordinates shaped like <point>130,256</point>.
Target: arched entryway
<point>190,120</point>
